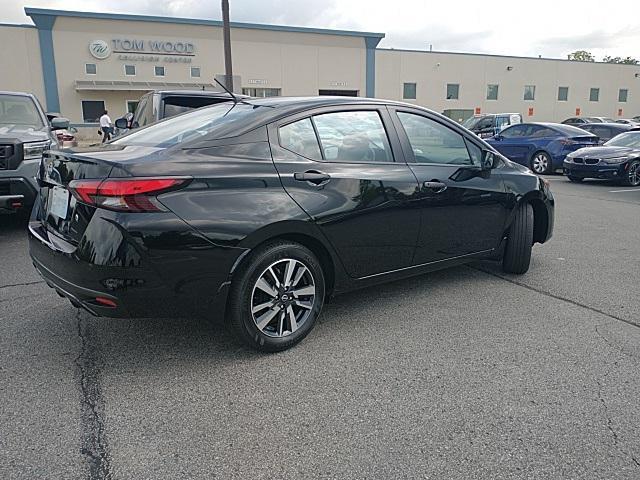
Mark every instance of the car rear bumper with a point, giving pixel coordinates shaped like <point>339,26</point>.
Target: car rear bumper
<point>182,276</point>
<point>608,172</point>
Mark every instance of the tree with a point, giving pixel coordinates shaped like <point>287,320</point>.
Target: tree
<point>626,61</point>
<point>581,56</point>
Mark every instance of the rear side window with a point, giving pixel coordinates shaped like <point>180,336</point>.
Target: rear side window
<point>433,142</point>
<point>540,132</point>
<point>299,137</point>
<point>353,137</point>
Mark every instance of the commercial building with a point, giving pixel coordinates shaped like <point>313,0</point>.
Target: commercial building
<point>79,63</point>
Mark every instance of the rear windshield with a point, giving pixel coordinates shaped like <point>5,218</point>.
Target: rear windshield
<point>19,110</point>
<point>628,139</point>
<point>471,122</point>
<point>189,126</point>
<point>572,131</point>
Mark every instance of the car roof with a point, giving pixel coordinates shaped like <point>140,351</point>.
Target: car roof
<point>204,93</point>
<point>21,94</point>
<point>607,124</point>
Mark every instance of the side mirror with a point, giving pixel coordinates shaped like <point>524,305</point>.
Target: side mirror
<point>121,123</point>
<point>488,160</point>
<point>59,123</point>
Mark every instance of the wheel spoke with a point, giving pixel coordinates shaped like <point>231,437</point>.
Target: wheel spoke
<point>293,324</point>
<point>264,319</point>
<point>275,277</point>
<point>303,304</point>
<point>301,271</point>
<point>281,323</point>
<point>262,306</point>
<point>288,272</point>
<point>308,290</point>
<point>266,288</point>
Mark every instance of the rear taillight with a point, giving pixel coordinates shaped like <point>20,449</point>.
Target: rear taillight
<point>125,194</point>
<point>567,141</point>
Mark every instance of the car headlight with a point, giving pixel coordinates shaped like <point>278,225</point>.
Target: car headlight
<point>35,149</point>
<point>615,160</point>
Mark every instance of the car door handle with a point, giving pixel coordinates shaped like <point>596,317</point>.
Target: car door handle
<point>312,176</point>
<point>435,185</point>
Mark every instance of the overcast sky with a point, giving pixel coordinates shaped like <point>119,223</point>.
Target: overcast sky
<point>551,28</point>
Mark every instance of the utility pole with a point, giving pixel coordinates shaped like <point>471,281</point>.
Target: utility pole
<point>226,30</point>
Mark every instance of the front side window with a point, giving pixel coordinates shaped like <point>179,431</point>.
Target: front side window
<point>594,94</point>
<point>158,71</point>
<point>563,94</point>
<point>92,110</point>
<point>299,137</point>
<point>492,92</point>
<point>513,132</point>
<point>623,93</point>
<point>409,91</point>
<point>90,68</point>
<point>353,137</point>
<point>129,70</point>
<point>433,142</point>
<point>453,91</point>
<point>529,92</point>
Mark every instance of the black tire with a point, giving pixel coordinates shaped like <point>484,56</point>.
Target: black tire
<point>517,254</point>
<point>540,163</point>
<point>243,322</point>
<point>575,179</point>
<point>632,178</point>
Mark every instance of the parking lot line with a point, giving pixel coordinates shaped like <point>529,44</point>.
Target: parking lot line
<point>624,191</point>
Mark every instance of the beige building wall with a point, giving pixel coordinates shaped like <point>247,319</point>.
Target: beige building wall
<point>20,57</point>
<point>432,71</point>
<point>295,63</point>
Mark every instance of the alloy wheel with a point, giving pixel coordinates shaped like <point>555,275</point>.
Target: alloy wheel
<point>634,174</point>
<point>283,298</point>
<point>540,163</point>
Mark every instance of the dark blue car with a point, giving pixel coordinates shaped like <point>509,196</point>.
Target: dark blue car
<point>541,146</point>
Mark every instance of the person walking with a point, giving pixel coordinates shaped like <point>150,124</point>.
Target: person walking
<point>105,126</point>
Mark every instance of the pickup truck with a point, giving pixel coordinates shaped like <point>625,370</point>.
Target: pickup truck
<point>25,133</point>
<point>160,104</point>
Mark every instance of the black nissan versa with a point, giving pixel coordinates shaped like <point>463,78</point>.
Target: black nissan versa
<point>257,211</point>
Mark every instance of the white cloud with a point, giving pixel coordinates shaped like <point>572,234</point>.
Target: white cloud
<point>550,28</point>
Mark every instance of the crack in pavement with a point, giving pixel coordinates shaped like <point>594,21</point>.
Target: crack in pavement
<point>22,284</point>
<point>609,420</point>
<point>607,416</point>
<point>557,297</point>
<point>94,443</point>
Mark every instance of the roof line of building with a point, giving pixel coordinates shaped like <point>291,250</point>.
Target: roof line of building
<point>30,11</point>
<point>497,56</point>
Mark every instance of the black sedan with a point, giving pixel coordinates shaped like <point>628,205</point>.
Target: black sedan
<point>258,211</point>
<point>606,131</point>
<point>618,160</point>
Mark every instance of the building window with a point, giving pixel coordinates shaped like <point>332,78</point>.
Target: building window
<point>131,106</point>
<point>563,94</point>
<point>492,91</point>
<point>129,70</point>
<point>453,90</point>
<point>594,95</point>
<point>158,71</point>
<point>529,92</point>
<point>261,92</point>
<point>195,72</point>
<point>92,110</point>
<point>623,93</point>
<point>90,68</point>
<point>409,91</point>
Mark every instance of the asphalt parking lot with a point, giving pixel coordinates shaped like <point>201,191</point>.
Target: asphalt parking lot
<point>465,373</point>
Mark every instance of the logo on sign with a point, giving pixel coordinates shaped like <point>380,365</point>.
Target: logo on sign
<point>99,49</point>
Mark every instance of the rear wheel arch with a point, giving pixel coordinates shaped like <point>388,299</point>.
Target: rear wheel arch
<point>306,239</point>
